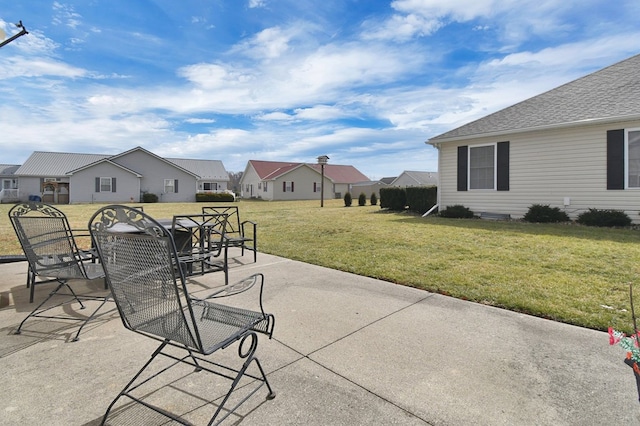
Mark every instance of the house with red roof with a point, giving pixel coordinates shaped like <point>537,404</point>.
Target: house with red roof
<point>276,180</point>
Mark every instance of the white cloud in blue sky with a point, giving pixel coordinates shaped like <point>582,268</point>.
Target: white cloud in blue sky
<point>364,82</point>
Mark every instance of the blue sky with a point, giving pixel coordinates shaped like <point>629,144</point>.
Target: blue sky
<point>365,82</point>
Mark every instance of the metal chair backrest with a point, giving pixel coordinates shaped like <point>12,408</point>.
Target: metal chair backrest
<point>203,233</point>
<point>233,218</point>
<point>47,240</point>
<point>141,266</point>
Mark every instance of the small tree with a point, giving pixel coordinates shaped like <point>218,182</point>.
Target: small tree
<point>362,199</point>
<point>347,199</point>
<point>374,199</point>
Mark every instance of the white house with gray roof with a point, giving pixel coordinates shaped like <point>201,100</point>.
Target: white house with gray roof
<point>63,178</point>
<point>574,147</point>
<point>415,178</point>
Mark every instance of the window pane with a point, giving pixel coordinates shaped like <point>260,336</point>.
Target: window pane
<point>482,167</point>
<point>105,184</point>
<point>168,186</point>
<point>634,159</point>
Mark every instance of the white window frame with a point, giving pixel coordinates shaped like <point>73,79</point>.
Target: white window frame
<point>628,181</point>
<point>317,187</point>
<point>169,186</point>
<point>9,184</point>
<point>264,186</point>
<point>104,183</point>
<point>288,186</point>
<point>495,164</point>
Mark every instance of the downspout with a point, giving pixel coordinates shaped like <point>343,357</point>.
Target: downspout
<point>437,205</point>
<point>431,210</point>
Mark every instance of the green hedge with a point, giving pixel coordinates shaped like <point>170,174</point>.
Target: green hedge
<point>418,199</point>
<point>421,198</point>
<point>214,197</point>
<point>393,198</point>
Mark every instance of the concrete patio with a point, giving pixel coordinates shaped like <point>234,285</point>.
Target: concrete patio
<point>347,350</point>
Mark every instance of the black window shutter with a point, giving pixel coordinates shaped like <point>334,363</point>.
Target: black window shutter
<point>175,185</point>
<point>615,159</point>
<point>463,153</point>
<point>113,184</point>
<point>502,171</point>
<point>97,184</point>
<point>284,186</point>
<point>291,186</point>
<point>315,186</point>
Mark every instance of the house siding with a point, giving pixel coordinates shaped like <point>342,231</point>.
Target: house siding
<point>154,172</point>
<point>303,179</point>
<point>82,185</point>
<point>249,185</point>
<point>545,168</point>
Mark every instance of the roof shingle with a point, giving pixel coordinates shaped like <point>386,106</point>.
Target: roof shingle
<point>612,92</point>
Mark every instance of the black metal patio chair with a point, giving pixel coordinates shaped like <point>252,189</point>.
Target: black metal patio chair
<point>148,284</point>
<point>238,233</point>
<point>50,248</point>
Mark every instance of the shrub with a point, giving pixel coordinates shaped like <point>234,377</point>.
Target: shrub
<point>347,199</point>
<point>604,218</point>
<point>393,198</point>
<point>545,214</point>
<point>214,197</point>
<point>362,199</point>
<point>374,199</point>
<point>421,198</point>
<point>148,197</point>
<point>457,212</point>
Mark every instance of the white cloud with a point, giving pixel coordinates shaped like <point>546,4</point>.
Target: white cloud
<point>200,120</point>
<point>64,14</point>
<point>257,3</point>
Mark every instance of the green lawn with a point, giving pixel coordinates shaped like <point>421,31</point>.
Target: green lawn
<point>570,273</point>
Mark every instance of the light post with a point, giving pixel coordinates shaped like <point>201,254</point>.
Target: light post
<point>10,39</point>
<point>322,160</point>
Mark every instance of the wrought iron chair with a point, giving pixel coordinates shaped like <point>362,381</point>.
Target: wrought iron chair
<point>147,282</point>
<point>243,234</point>
<point>50,248</point>
<point>200,243</point>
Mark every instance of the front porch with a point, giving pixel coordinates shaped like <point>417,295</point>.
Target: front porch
<point>9,196</point>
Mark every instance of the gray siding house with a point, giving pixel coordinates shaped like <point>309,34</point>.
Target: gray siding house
<point>94,178</point>
<point>574,147</point>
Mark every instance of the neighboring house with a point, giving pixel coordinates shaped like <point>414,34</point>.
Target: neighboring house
<point>412,178</point>
<point>368,188</point>
<point>575,147</point>
<point>388,180</point>
<point>63,178</point>
<point>9,188</point>
<point>274,180</point>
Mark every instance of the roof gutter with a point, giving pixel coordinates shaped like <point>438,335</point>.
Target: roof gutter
<point>590,121</point>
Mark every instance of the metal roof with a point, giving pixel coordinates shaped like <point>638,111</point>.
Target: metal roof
<point>52,164</point>
<point>205,169</point>
<point>607,94</point>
